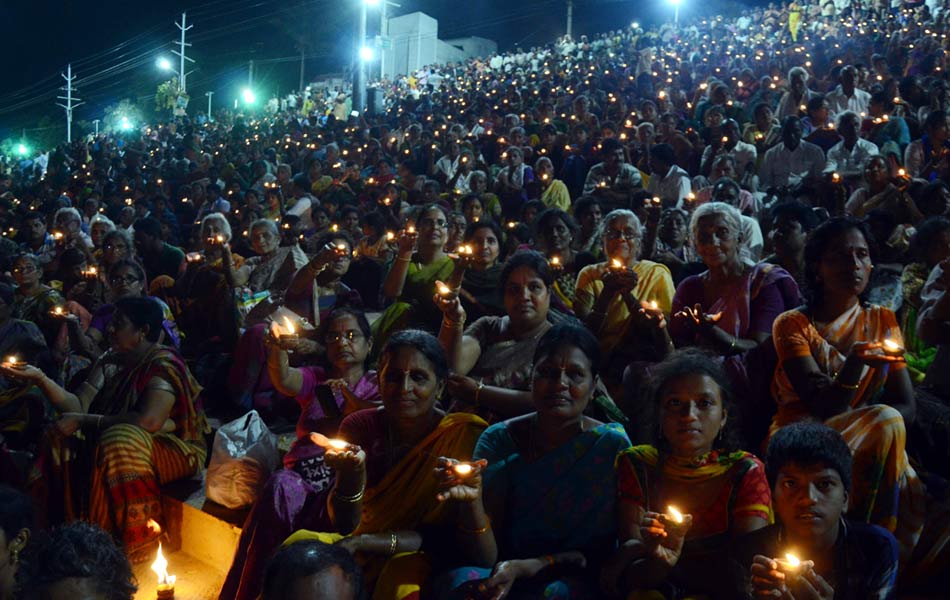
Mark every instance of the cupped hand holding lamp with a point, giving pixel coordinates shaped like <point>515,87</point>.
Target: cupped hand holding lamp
<point>788,576</point>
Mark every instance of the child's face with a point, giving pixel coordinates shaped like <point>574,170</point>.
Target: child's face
<point>809,500</point>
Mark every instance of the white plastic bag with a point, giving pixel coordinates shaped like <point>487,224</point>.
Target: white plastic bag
<point>242,458</point>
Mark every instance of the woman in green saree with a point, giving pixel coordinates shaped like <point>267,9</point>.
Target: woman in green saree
<point>420,261</point>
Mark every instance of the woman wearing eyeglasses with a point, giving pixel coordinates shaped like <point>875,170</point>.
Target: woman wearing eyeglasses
<point>623,299</point>
<point>420,261</point>
<point>295,497</point>
<point>34,299</point>
<point>126,280</point>
<point>315,290</point>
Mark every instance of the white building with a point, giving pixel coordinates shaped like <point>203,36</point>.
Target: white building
<point>414,42</point>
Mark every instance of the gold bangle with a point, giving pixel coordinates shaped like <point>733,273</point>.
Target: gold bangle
<point>403,258</point>
<point>478,531</point>
<point>354,498</point>
<point>453,324</point>
<point>393,542</point>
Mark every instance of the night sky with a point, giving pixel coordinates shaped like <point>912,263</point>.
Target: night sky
<point>116,43</point>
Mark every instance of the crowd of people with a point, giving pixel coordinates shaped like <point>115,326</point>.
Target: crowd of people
<point>658,313</point>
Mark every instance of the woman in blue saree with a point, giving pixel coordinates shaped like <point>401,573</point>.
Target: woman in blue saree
<point>544,525</point>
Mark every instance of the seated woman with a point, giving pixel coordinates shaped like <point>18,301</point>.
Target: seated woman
<point>384,499</point>
<point>410,284</point>
<point>126,280</point>
<point>274,265</point>
<point>881,192</point>
<point>205,293</point>
<point>554,236</point>
<point>35,300</point>
<point>312,570</point>
<point>613,297</point>
<point>834,367</point>
<point>78,560</point>
<point>141,427</point>
<point>694,467</point>
<point>532,535</point>
<point>295,497</point>
<point>16,530</point>
<point>315,290</point>
<point>734,302</point>
<point>809,472</point>
<point>480,291</point>
<point>492,360</point>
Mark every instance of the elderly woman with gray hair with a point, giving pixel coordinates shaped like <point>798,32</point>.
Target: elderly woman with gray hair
<point>624,300</point>
<point>274,266</point>
<point>730,307</point>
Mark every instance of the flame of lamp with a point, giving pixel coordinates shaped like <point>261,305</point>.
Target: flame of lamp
<point>675,515</point>
<point>463,468</point>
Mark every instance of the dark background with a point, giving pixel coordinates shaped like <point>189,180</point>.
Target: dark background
<point>113,45</point>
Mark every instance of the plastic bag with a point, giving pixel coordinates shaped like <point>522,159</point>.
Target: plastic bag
<point>242,458</point>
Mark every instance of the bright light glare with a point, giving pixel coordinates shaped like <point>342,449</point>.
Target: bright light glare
<point>125,124</point>
<point>164,64</point>
<point>248,96</point>
<point>674,2</point>
<point>635,25</point>
<point>372,2</point>
<point>22,150</point>
<point>366,53</point>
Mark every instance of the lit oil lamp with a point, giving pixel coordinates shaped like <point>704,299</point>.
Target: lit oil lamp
<point>893,348</point>
<point>652,304</point>
<point>673,514</point>
<point>166,582</point>
<point>58,235</point>
<point>555,262</point>
<point>13,361</point>
<point>616,265</point>
<point>512,224</point>
<point>411,230</point>
<point>390,236</point>
<point>58,311</point>
<point>463,469</point>
<point>334,228</point>
<point>835,178</point>
<point>291,336</point>
<point>219,239</point>
<point>443,289</point>
<point>790,565</point>
<point>337,444</point>
<point>193,257</point>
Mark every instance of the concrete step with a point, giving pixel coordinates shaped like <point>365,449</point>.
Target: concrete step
<point>199,542</point>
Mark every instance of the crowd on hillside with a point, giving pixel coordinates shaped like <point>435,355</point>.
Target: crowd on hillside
<point>634,316</point>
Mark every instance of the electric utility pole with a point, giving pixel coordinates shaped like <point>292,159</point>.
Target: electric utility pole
<point>71,102</point>
<point>180,53</point>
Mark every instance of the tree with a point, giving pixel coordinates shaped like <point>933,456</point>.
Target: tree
<point>166,95</point>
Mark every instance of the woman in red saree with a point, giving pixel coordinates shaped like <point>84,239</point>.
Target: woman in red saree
<point>133,426</point>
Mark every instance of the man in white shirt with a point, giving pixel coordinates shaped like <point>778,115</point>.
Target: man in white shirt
<point>846,97</point>
<point>669,182</point>
<point>728,191</point>
<point>791,162</point>
<point>848,157</point>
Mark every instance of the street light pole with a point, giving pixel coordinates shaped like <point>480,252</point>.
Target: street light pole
<point>209,94</point>
<point>570,17</point>
<point>71,102</point>
<point>359,91</point>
